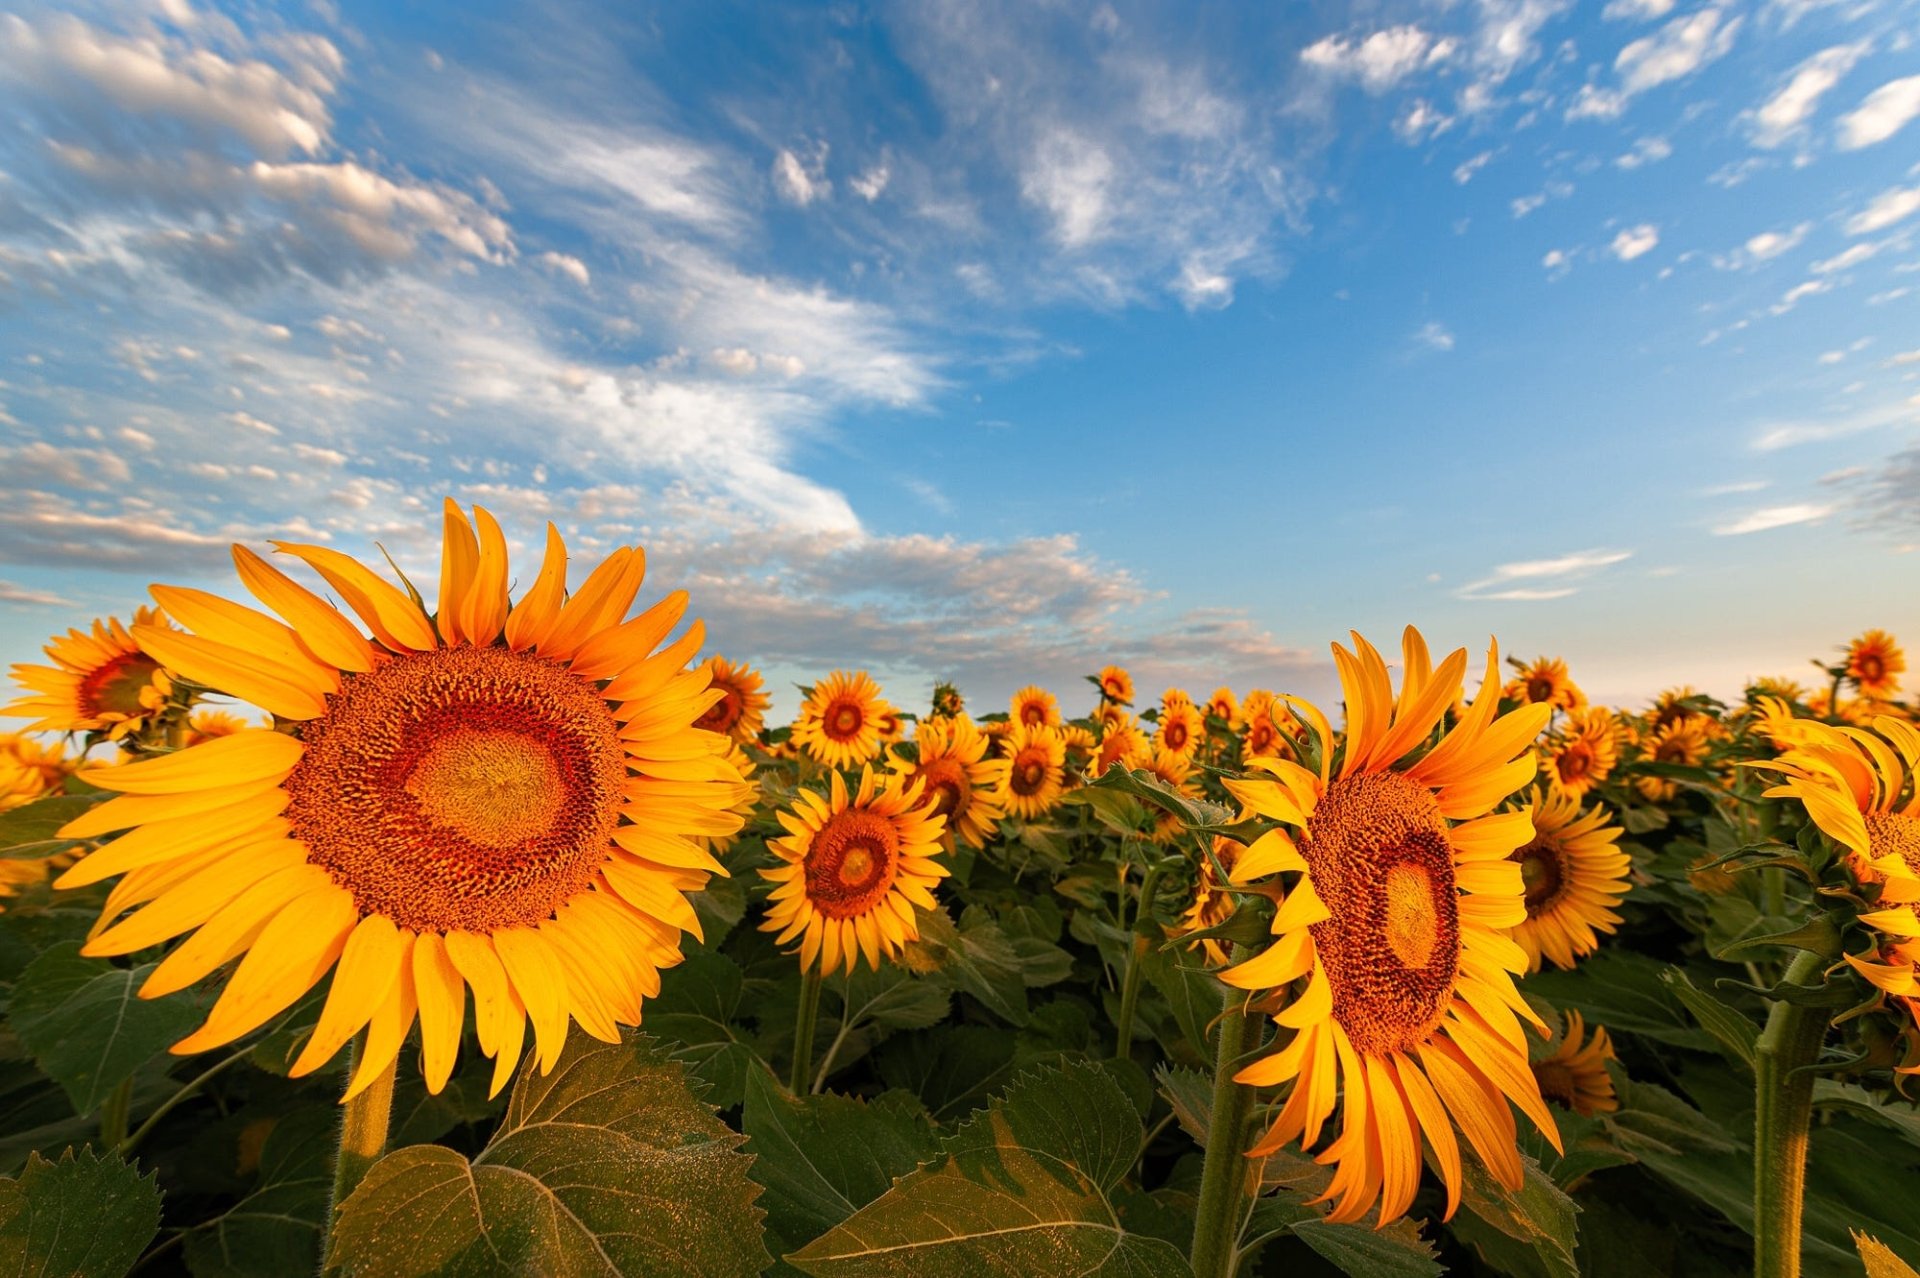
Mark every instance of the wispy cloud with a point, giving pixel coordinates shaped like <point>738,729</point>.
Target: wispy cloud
<point>1781,117</point>
<point>1542,579</point>
<point>1635,241</point>
<point>1891,206</point>
<point>1434,335</point>
<point>1770,517</point>
<point>1379,60</point>
<point>1886,111</point>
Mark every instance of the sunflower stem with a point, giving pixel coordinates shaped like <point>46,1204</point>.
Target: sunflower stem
<point>114,1111</point>
<point>839,1039</point>
<point>1223,1177</point>
<point>1783,1105</point>
<point>363,1128</point>
<point>1130,981</point>
<point>805,1018</point>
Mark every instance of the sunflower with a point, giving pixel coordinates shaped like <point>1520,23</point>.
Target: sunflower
<point>1225,707</point>
<point>1675,705</point>
<point>1125,746</point>
<point>1581,754</point>
<point>957,777</point>
<point>1574,1075</point>
<point>1116,685</point>
<point>1036,770</point>
<point>1034,706</point>
<point>1682,741</point>
<point>41,767</point>
<point>1212,904</point>
<point>1108,716</point>
<point>840,719</point>
<point>1258,701</point>
<point>1399,918</point>
<point>1175,771</point>
<point>1574,876</point>
<point>1545,682</point>
<point>743,807</point>
<point>947,701</point>
<point>1181,729</point>
<point>98,682</point>
<point>1265,738</point>
<point>1874,665</point>
<point>496,795</point>
<point>1775,686</point>
<point>1174,697</point>
<point>742,711</point>
<point>853,869</point>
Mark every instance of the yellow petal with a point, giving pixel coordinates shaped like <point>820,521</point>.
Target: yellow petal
<point>292,953</point>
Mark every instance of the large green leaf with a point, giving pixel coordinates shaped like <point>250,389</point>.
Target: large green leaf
<point>276,1229</point>
<point>87,1027</point>
<point>1025,1189</point>
<point>32,830</point>
<point>607,1165</point>
<point>1623,991</point>
<point>975,957</point>
<point>822,1158</point>
<point>1531,1228</point>
<point>88,1214</point>
<point>696,1011</point>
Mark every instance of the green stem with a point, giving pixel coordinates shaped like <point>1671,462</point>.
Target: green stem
<point>363,1129</point>
<point>1223,1177</point>
<point>839,1039</point>
<point>1783,1104</point>
<point>128,1144</point>
<point>113,1115</point>
<point>805,1018</point>
<point>1130,980</point>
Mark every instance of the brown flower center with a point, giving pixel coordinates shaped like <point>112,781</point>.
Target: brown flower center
<point>843,721</point>
<point>946,786</point>
<point>722,714</point>
<point>1378,852</point>
<point>1891,832</point>
<point>1540,689</point>
<point>1575,762</point>
<point>1029,775</point>
<point>116,686</point>
<point>1543,872</point>
<point>463,788</point>
<point>851,863</point>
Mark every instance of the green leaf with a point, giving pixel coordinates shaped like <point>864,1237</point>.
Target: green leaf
<point>1735,1032</point>
<point>1904,1119</point>
<point>696,1011</point>
<point>1398,1251</point>
<point>1026,1189</point>
<point>822,1158</point>
<point>1190,1095</point>
<point>608,1164</point>
<point>1191,990</point>
<point>88,1214</point>
<point>33,829</point>
<point>976,957</point>
<point>276,1229</point>
<point>1623,991</point>
<point>1537,1216</point>
<point>1879,1258</point>
<point>86,1026</point>
<point>1819,934</point>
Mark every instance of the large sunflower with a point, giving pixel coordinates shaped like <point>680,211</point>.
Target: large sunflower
<point>1582,753</point>
<point>742,709</point>
<point>1399,919</point>
<point>1574,1074</point>
<point>1034,706</point>
<point>1574,876</point>
<point>1875,664</point>
<point>854,867</point>
<point>496,795</point>
<point>957,777</point>
<point>841,718</point>
<point>98,682</point>
<point>1036,760</point>
<point>1122,745</point>
<point>1856,785</point>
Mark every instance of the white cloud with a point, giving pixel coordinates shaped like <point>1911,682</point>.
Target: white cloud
<point>1069,176</point>
<point>1890,206</point>
<point>1464,171</point>
<point>1886,111</point>
<point>1379,61</point>
<point>1781,116</point>
<point>13,592</point>
<point>1645,151</point>
<point>568,265</point>
<point>1764,247</point>
<point>1557,263</point>
<point>1556,577</point>
<point>1434,336</point>
<point>1849,257</point>
<point>1798,294</point>
<point>801,182</point>
<point>1675,51</point>
<point>1770,517</point>
<point>382,217</point>
<point>1635,241</point>
<point>1637,10</point>
<point>870,184</point>
<point>1595,103</point>
<point>40,462</point>
<point>1421,122</point>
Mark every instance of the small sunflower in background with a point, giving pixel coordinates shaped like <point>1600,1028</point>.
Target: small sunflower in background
<point>1036,770</point>
<point>1181,729</point>
<point>1224,706</point>
<point>742,709</point>
<point>1683,741</point>
<point>1116,685</point>
<point>1574,875</point>
<point>947,701</point>
<point>1212,903</point>
<point>840,720</point>
<point>498,795</point>
<point>854,867</point>
<point>957,778</point>
<point>1034,707</point>
<point>100,681</point>
<point>1124,746</point>
<point>1874,665</point>
<point>1582,751</point>
<point>1574,1075</point>
<point>1543,682</point>
<point>1399,917</point>
<point>1175,771</point>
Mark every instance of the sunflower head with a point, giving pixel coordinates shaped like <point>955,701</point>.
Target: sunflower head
<point>947,701</point>
<point>1682,741</point>
<point>1574,878</point>
<point>1583,751</point>
<point>1874,665</point>
<point>1265,737</point>
<point>1175,771</point>
<point>100,681</point>
<point>956,778</point>
<point>1574,1074</point>
<point>1034,707</point>
<point>1124,746</point>
<point>854,865</point>
<point>1116,686</point>
<point>1181,730</point>
<point>1224,706</point>
<point>1036,757</point>
<point>741,711</point>
<point>841,719</point>
<point>1212,903</point>
<point>498,795</point>
<point>1544,682</point>
<point>1397,913</point>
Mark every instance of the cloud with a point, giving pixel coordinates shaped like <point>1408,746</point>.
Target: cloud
<point>1557,263</point>
<point>1380,60</point>
<point>1886,111</point>
<point>1886,497</point>
<point>1770,517</point>
<point>1464,171</point>
<point>1645,151</point>
<point>1556,578</point>
<point>1675,51</point>
<point>568,265</point>
<point>1635,241</point>
<point>44,463</point>
<point>1780,117</point>
<point>801,182</point>
<point>1071,177</point>
<point>1889,207</point>
<point>15,593</point>
<point>1637,10</point>
<point>1421,122</point>
<point>1763,247</point>
<point>1775,435</point>
<point>1434,336</point>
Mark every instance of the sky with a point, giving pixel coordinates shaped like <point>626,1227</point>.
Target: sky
<point>991,342</point>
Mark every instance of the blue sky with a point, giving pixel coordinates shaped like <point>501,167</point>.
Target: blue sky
<point>992,342</point>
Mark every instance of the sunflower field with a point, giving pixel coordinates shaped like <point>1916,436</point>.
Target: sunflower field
<point>363,926</point>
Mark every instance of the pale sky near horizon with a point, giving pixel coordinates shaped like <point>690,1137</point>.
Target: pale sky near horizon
<point>993,342</point>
